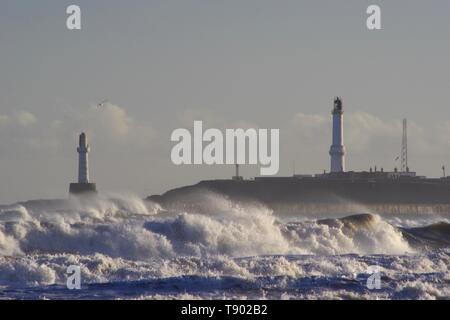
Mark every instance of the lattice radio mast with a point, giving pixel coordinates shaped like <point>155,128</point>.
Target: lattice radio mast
<point>405,147</point>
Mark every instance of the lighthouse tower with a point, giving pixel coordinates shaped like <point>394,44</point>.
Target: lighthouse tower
<point>337,150</point>
<point>83,167</point>
<point>83,185</point>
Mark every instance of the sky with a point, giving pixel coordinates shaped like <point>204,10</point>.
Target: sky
<point>162,64</point>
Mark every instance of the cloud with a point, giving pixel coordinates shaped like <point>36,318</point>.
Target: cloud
<point>369,140</point>
<point>364,133</point>
<point>362,130</point>
<point>112,123</point>
<point>25,118</point>
<point>119,137</point>
<point>21,118</point>
<point>309,125</point>
<point>114,119</point>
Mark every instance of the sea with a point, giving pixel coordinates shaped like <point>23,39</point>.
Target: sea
<point>122,247</point>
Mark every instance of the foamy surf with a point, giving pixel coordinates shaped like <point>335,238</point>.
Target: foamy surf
<point>129,248</point>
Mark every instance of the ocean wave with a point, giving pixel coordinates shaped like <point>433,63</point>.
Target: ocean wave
<point>435,235</point>
<point>129,229</point>
<point>423,276</point>
<point>127,244</point>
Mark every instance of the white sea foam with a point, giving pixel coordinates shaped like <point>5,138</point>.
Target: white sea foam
<point>244,248</point>
<point>324,277</point>
<point>125,228</point>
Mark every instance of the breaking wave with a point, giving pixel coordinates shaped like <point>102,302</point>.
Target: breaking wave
<point>133,229</point>
<point>124,241</point>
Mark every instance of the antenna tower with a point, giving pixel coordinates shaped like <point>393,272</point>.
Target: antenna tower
<point>404,167</point>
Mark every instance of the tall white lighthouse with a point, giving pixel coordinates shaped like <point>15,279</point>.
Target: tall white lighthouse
<point>337,150</point>
<point>83,165</point>
<point>83,186</point>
